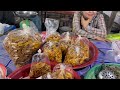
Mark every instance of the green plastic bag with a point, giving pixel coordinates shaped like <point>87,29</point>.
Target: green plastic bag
<point>27,22</point>
<point>113,36</point>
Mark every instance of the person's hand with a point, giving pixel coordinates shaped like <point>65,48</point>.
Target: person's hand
<point>102,39</point>
<point>85,22</point>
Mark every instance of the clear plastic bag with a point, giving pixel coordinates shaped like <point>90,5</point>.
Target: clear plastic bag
<point>62,71</point>
<point>83,43</point>
<point>114,54</point>
<point>51,30</point>
<point>39,57</point>
<point>21,45</point>
<point>39,69</point>
<point>75,55</point>
<point>65,42</point>
<point>28,23</point>
<point>53,51</point>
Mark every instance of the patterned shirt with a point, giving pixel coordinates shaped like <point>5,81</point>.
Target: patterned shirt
<point>95,28</point>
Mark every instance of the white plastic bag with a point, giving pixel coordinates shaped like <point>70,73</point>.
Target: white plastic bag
<point>114,54</point>
<point>51,26</point>
<point>1,29</point>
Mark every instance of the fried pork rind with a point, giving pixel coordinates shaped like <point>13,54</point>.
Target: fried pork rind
<point>62,71</point>
<point>65,42</point>
<point>53,51</point>
<point>75,55</point>
<point>39,69</point>
<point>21,45</point>
<point>51,30</point>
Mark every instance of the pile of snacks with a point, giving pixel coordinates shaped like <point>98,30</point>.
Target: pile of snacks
<point>53,51</point>
<point>21,45</point>
<point>39,69</point>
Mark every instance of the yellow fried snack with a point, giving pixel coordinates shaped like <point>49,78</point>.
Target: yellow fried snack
<point>39,69</point>
<point>53,51</point>
<point>64,46</point>
<point>75,55</point>
<point>53,37</point>
<point>62,74</point>
<point>21,47</point>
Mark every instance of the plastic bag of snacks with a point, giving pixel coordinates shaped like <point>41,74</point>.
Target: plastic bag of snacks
<point>83,43</point>
<point>62,71</point>
<point>21,45</point>
<point>39,57</point>
<point>51,32</point>
<point>65,42</point>
<point>75,55</point>
<point>39,69</point>
<point>53,51</point>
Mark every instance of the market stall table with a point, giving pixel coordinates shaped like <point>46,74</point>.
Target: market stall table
<point>102,46</point>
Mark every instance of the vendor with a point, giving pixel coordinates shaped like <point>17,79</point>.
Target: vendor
<point>89,24</point>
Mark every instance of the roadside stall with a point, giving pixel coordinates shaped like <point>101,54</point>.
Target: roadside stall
<point>27,53</point>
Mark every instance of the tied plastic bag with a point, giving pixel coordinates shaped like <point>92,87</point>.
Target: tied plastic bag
<point>39,57</point>
<point>28,23</point>
<point>62,71</point>
<point>53,51</point>
<point>83,43</point>
<point>51,30</point>
<point>75,55</point>
<point>114,54</point>
<point>39,68</point>
<point>65,42</point>
<point>21,45</point>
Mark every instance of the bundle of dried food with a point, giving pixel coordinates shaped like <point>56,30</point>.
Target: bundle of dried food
<point>65,42</point>
<point>39,57</point>
<point>83,43</point>
<point>21,45</point>
<point>51,32</point>
<point>53,51</point>
<point>75,55</point>
<point>39,69</point>
<point>62,71</point>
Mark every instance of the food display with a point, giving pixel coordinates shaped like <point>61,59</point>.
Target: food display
<point>75,55</point>
<point>21,45</point>
<point>39,69</point>
<point>53,51</point>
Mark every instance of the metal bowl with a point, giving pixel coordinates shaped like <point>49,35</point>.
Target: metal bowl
<point>26,14</point>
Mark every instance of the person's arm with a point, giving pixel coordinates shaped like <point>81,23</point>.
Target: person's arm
<point>77,29</point>
<point>101,30</point>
